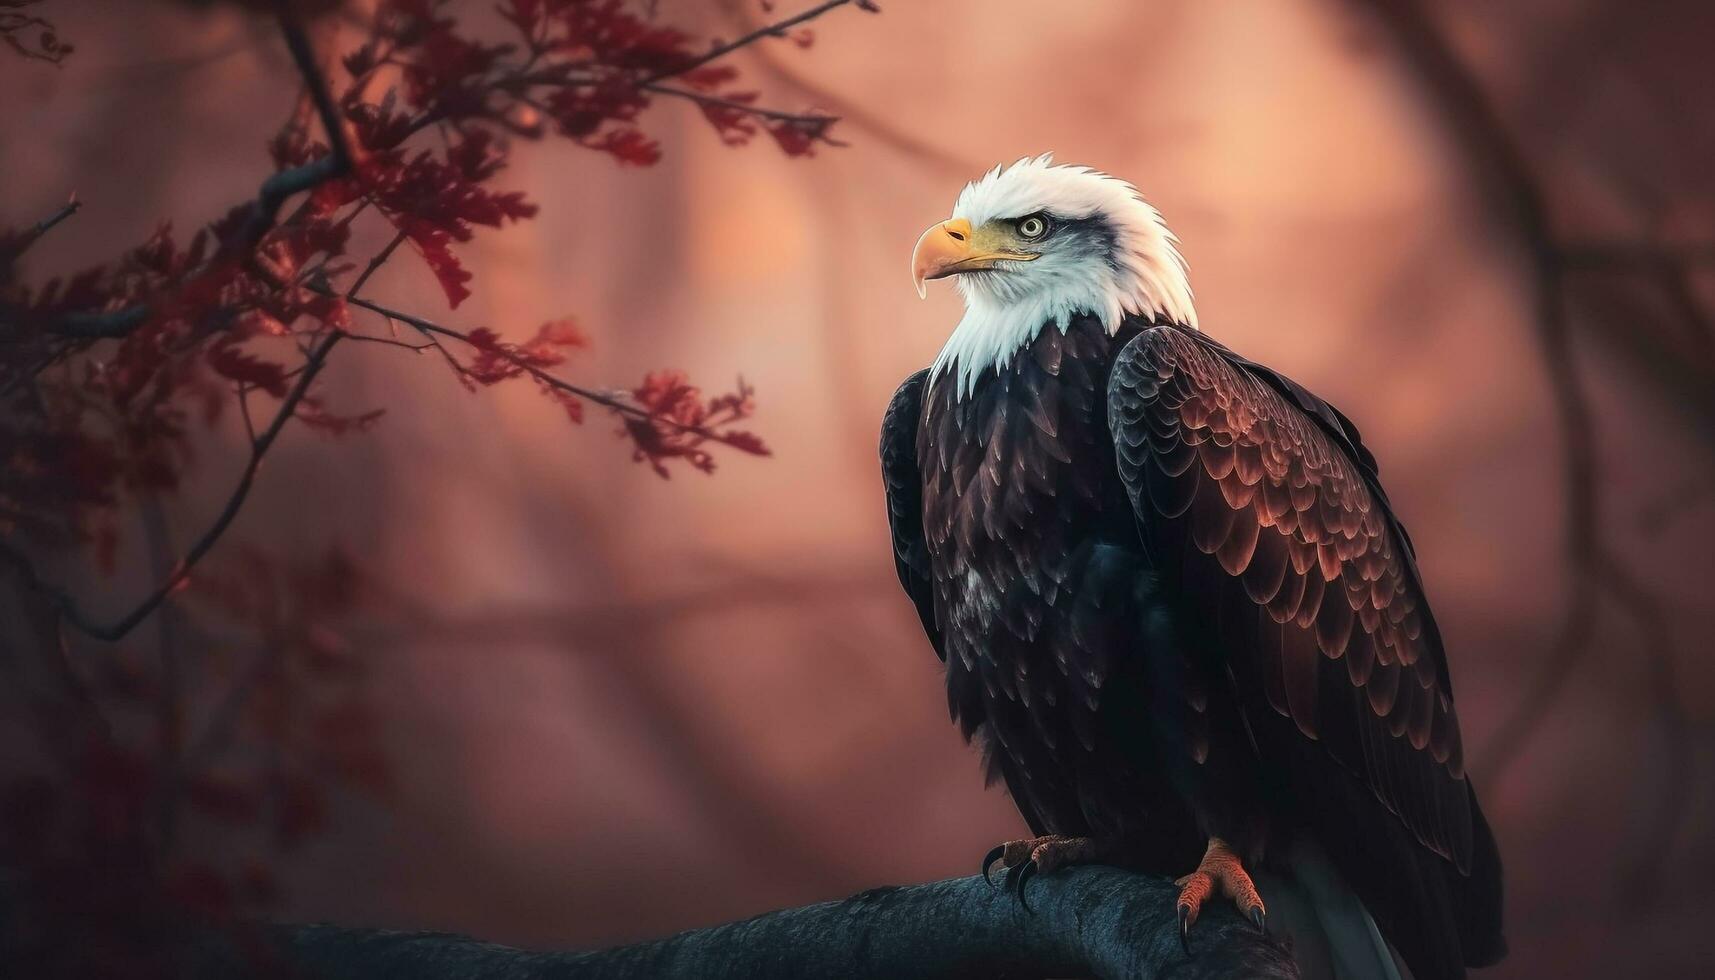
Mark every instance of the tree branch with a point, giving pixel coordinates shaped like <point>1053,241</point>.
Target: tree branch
<point>1087,921</point>
<point>798,118</point>
<point>258,449</point>
<point>776,29</point>
<point>40,228</point>
<point>280,186</point>
<point>270,197</point>
<point>430,328</point>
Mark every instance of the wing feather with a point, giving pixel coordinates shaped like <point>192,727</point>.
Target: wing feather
<point>1284,514</point>
<point>903,484</point>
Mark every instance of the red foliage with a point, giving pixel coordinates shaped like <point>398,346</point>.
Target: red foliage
<point>681,423</point>
<point>191,325</point>
<point>106,377</point>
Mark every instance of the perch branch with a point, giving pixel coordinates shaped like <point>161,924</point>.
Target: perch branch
<point>1087,921</point>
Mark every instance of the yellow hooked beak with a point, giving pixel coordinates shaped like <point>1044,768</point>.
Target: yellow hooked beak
<point>951,247</point>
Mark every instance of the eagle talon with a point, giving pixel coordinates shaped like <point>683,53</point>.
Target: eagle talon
<point>1026,871</point>
<point>1024,859</point>
<point>1221,872</point>
<point>988,864</point>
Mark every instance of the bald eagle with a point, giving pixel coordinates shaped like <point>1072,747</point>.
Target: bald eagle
<point>1175,606</point>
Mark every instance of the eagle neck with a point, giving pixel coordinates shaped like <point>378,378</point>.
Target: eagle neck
<point>990,336</point>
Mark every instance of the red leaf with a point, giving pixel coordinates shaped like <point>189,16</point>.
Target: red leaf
<point>745,442</point>
<point>573,405</point>
<point>311,413</point>
<point>628,146</point>
<point>797,139</point>
<point>435,247</point>
<point>560,333</point>
<point>232,363</point>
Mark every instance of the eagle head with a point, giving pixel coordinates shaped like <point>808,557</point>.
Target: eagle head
<point>1036,244</point>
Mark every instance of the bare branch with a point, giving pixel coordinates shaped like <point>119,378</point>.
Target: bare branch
<point>244,413</point>
<point>40,228</point>
<point>623,407</point>
<point>36,367</point>
<point>102,326</point>
<point>376,262</point>
<point>280,186</point>
<point>269,198</point>
<point>776,29</point>
<point>258,449</point>
<point>809,120</point>
<point>390,342</point>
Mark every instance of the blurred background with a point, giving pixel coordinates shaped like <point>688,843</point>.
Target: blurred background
<point>615,706</point>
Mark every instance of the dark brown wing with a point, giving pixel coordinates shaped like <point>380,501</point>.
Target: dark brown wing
<point>1262,502</point>
<point>903,483</point>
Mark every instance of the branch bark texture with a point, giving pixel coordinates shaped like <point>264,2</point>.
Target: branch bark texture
<point>1084,921</point>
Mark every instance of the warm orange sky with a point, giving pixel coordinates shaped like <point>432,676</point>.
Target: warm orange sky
<point>630,705</point>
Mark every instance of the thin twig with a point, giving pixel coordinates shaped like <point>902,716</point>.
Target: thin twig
<point>272,195</point>
<point>42,227</point>
<point>375,262</point>
<point>390,342</point>
<point>280,186</point>
<point>258,449</point>
<point>776,29</point>
<point>429,327</point>
<point>244,413</point>
<point>100,326</point>
<point>797,118</point>
<point>29,374</point>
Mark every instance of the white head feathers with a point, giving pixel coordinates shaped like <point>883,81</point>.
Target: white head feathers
<point>1126,263</point>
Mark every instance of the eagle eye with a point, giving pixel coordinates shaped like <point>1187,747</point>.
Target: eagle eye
<point>1033,227</point>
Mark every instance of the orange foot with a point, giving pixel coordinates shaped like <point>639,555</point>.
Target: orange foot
<point>1219,867</point>
<point>1025,858</point>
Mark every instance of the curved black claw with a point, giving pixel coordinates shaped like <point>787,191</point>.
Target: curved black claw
<point>1026,871</point>
<point>1261,919</point>
<point>1185,928</point>
<point>988,863</point>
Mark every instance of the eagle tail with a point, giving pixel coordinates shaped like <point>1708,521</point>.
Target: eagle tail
<point>1333,935</point>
